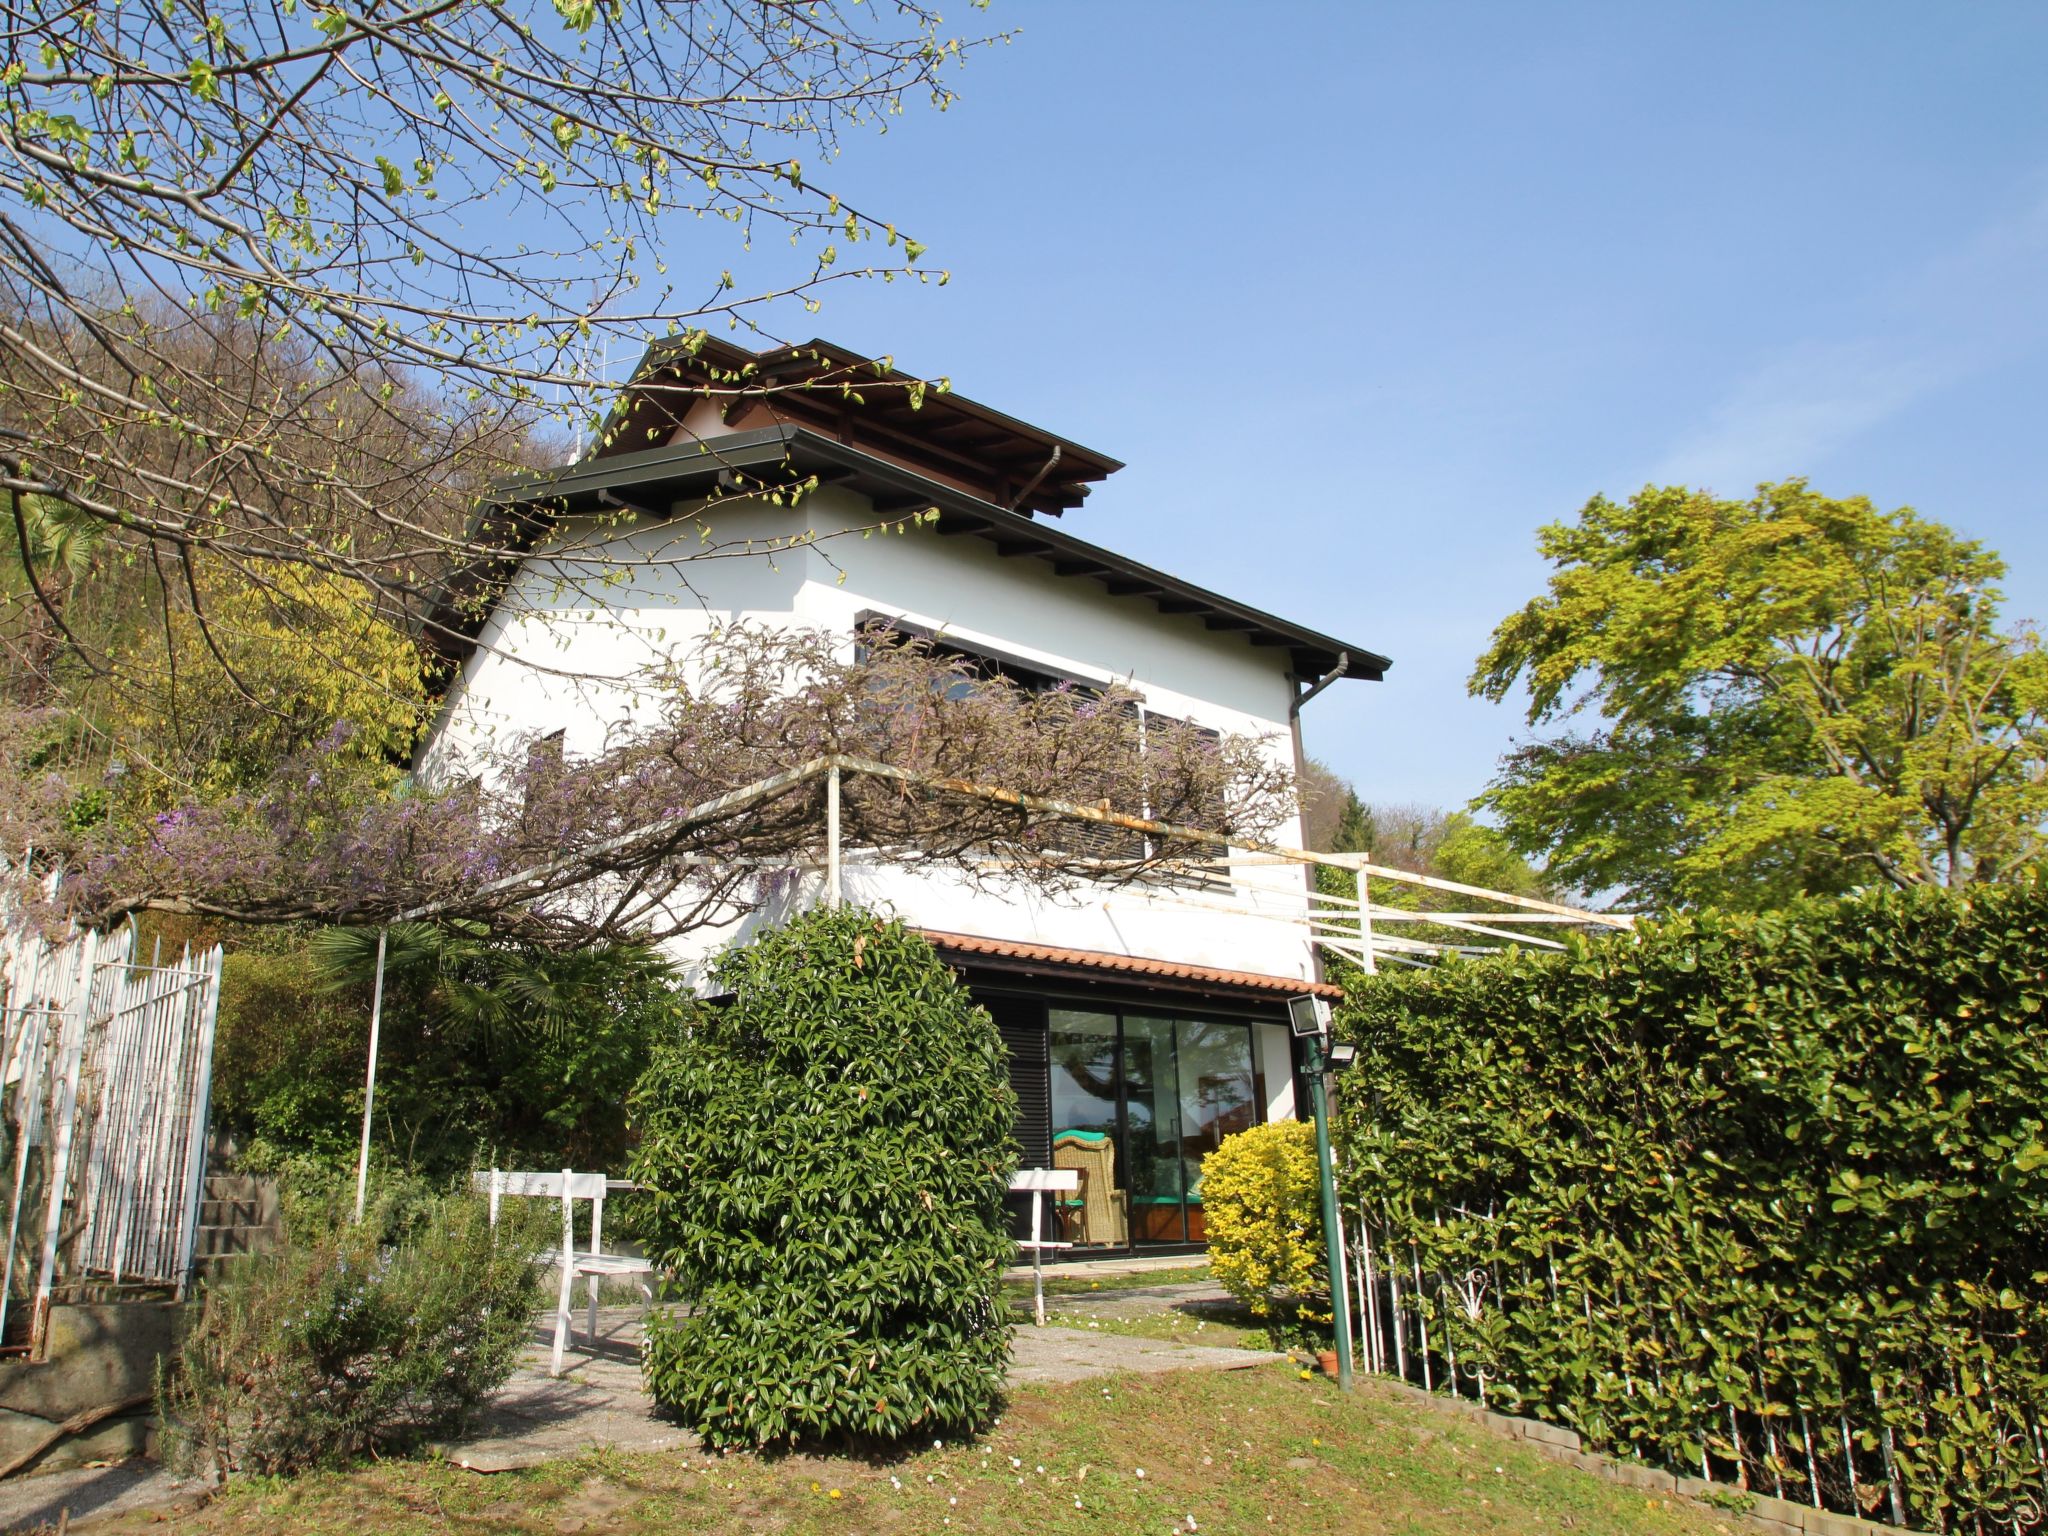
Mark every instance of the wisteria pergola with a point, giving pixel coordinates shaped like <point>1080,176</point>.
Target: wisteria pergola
<point>1353,927</point>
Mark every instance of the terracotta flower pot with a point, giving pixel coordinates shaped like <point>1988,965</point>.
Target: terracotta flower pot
<point>1327,1360</point>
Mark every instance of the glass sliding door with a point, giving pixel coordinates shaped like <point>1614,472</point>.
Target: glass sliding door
<point>1152,1131</point>
<point>1219,1091</point>
<point>1137,1100</point>
<point>1087,1125</point>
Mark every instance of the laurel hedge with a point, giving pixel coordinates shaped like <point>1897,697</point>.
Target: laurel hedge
<point>1764,1194</point>
<point>825,1156</point>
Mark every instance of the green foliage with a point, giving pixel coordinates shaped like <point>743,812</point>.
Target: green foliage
<point>1354,832</point>
<point>352,1340</point>
<point>288,1058</point>
<point>826,1157</point>
<point>1265,1219</point>
<point>492,1052</point>
<point>62,542</point>
<point>1738,1165</point>
<point>1797,695</point>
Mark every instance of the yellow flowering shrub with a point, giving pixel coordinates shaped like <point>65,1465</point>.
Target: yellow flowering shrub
<point>1265,1218</point>
<point>272,671</point>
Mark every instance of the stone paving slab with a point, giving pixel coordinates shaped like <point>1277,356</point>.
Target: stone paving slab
<point>597,1401</point>
<point>1053,1354</point>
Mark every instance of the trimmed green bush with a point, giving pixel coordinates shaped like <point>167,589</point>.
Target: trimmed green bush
<point>1723,1184</point>
<point>355,1339</point>
<point>1265,1219</point>
<point>825,1159</point>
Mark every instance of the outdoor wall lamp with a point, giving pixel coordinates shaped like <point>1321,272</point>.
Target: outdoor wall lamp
<point>1341,1054</point>
<point>1308,1018</point>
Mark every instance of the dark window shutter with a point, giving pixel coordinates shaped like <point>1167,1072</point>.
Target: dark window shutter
<point>1022,1022</point>
<point>1023,1026</point>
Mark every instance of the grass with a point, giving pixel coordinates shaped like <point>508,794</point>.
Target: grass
<point>1057,1284</point>
<point>1231,1452</point>
<point>1212,1324</point>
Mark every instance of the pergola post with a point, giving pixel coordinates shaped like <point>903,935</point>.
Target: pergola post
<point>370,1078</point>
<point>1365,922</point>
<point>832,871</point>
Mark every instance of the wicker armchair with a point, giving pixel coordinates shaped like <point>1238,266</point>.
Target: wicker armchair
<point>1104,1209</point>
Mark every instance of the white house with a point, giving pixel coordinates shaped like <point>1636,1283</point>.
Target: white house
<point>1144,1022</point>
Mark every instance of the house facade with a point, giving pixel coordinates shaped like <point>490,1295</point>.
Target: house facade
<point>1146,1021</point>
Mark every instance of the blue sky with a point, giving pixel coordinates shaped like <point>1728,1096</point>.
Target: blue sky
<point>1364,293</point>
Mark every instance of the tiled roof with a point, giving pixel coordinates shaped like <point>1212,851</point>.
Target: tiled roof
<point>1133,965</point>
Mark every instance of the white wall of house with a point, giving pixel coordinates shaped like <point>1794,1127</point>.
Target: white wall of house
<point>568,649</point>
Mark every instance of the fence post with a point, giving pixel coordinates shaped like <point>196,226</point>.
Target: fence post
<point>208,999</point>
<point>1365,954</point>
<point>1368,1299</point>
<point>71,1057</point>
<point>1812,1461</point>
<point>1891,1460</point>
<point>1422,1320</point>
<point>1400,1331</point>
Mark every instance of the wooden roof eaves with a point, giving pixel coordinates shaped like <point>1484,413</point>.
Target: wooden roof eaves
<point>799,452</point>
<point>952,402</point>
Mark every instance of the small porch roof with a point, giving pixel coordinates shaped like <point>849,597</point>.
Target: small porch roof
<point>1014,954</point>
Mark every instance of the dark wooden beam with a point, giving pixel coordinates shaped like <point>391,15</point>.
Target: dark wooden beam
<point>1012,551</point>
<point>901,503</point>
<point>1124,586</point>
<point>1227,621</point>
<point>1080,568</point>
<point>1182,605</point>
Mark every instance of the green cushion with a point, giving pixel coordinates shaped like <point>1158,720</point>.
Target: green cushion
<point>1091,1138</point>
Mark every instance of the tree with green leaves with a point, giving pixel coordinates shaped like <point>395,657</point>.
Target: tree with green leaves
<point>1789,694</point>
<point>285,286</point>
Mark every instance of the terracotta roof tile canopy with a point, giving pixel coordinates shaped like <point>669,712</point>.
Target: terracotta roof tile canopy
<point>1053,956</point>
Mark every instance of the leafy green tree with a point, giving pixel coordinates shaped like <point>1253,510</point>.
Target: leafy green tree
<point>1355,828</point>
<point>492,1051</point>
<point>825,1158</point>
<point>1793,694</point>
<point>48,546</point>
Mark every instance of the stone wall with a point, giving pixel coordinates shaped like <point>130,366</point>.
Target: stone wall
<point>99,1354</point>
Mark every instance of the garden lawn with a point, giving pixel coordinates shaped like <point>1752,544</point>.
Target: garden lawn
<point>1239,1451</point>
<point>1058,1284</point>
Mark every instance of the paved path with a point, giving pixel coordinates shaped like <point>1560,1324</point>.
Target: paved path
<point>597,1401</point>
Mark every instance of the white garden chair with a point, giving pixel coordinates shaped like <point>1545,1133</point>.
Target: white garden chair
<point>1038,1183</point>
<point>592,1263</point>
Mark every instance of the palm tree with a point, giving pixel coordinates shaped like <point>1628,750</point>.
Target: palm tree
<point>48,539</point>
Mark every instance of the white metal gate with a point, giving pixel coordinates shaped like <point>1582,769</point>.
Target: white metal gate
<point>107,1081</point>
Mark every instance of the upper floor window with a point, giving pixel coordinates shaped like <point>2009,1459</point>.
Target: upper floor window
<point>1100,840</point>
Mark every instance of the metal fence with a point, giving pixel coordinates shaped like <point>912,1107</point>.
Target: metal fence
<point>1836,1441</point>
<point>103,1111</point>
